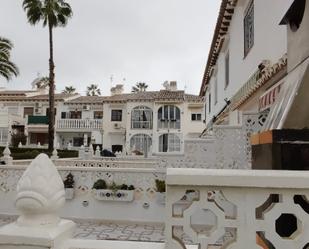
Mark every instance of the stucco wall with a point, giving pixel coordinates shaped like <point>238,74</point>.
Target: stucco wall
<point>270,43</point>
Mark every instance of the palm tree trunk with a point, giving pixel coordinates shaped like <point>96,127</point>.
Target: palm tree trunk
<point>51,114</point>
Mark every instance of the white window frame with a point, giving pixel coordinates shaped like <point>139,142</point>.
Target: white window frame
<point>139,141</point>
<point>170,120</point>
<point>137,121</point>
<point>173,143</point>
<point>196,115</point>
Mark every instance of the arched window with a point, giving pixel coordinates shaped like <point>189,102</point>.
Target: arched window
<point>140,142</point>
<point>169,143</point>
<point>141,118</point>
<point>169,117</point>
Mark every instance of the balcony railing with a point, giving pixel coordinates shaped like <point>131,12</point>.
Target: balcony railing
<point>169,124</point>
<point>37,120</point>
<point>240,208</point>
<point>88,124</point>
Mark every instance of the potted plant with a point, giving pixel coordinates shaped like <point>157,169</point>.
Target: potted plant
<point>160,187</point>
<point>69,186</point>
<point>113,192</point>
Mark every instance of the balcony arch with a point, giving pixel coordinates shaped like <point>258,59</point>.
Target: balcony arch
<point>169,117</point>
<point>141,118</point>
<point>169,142</point>
<point>141,143</point>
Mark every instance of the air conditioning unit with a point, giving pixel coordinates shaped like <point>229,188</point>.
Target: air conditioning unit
<point>38,110</point>
<point>86,107</point>
<point>38,105</point>
<point>117,125</point>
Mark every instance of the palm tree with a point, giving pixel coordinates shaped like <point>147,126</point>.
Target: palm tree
<point>139,87</point>
<point>53,13</point>
<point>41,82</point>
<point>7,68</point>
<point>69,90</point>
<point>93,90</point>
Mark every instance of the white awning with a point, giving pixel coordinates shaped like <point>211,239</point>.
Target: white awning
<point>268,98</point>
<point>37,128</point>
<point>291,107</point>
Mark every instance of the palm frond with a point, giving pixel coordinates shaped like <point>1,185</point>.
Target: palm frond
<point>7,68</point>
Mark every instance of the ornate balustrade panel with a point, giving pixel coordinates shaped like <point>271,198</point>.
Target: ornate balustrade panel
<point>237,209</point>
<point>230,147</point>
<point>106,164</point>
<point>80,124</point>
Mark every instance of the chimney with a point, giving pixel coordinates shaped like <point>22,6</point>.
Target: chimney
<point>297,21</point>
<point>117,90</point>
<point>170,85</point>
<point>173,85</point>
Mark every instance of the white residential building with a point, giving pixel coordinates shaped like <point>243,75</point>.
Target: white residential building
<point>151,122</point>
<point>25,112</point>
<point>247,59</point>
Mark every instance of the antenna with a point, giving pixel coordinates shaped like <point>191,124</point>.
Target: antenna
<point>111,79</point>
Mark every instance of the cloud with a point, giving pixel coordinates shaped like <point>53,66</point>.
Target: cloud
<point>140,40</point>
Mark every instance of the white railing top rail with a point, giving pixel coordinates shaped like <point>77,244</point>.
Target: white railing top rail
<point>238,178</point>
<point>89,169</point>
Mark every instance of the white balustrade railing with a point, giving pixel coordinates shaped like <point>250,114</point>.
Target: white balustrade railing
<point>106,164</point>
<point>96,124</point>
<point>237,209</point>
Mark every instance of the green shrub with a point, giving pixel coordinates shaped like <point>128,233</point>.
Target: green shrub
<point>131,187</point>
<point>124,187</point>
<point>31,153</point>
<point>99,184</point>
<point>160,185</point>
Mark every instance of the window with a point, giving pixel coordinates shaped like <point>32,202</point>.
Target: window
<point>74,115</point>
<point>209,103</point>
<point>169,117</point>
<point>97,114</point>
<point>4,132</point>
<point>28,111</point>
<point>249,28</point>
<point>227,69</point>
<point>169,143</point>
<point>216,90</point>
<point>63,115</point>
<point>140,142</point>
<point>196,116</point>
<point>116,115</point>
<point>141,118</point>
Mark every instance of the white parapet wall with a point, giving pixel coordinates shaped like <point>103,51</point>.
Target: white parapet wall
<point>143,206</point>
<point>252,208</point>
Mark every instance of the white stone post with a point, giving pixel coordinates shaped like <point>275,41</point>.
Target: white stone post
<point>81,152</point>
<point>54,155</point>
<point>90,151</point>
<point>20,145</point>
<point>97,151</point>
<point>7,156</point>
<point>40,195</point>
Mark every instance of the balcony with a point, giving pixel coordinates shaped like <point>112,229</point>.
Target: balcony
<point>80,124</point>
<point>37,120</point>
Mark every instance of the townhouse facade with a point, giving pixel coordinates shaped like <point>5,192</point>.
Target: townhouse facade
<point>151,122</point>
<point>247,62</point>
<point>25,112</point>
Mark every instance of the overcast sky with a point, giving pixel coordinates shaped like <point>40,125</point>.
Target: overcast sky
<point>140,40</point>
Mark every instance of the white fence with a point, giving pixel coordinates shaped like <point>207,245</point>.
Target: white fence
<point>250,209</point>
<point>96,124</point>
